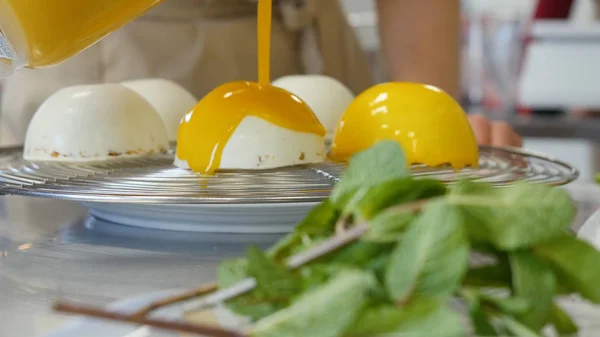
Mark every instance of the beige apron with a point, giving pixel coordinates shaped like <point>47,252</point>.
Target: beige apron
<point>199,44</point>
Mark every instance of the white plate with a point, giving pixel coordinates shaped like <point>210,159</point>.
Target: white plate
<point>206,218</point>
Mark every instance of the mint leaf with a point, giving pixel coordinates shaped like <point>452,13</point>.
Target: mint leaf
<point>468,187</point>
<point>378,266</point>
<point>319,221</point>
<point>232,271</point>
<point>389,226</point>
<point>575,262</point>
<point>518,329</point>
<point>515,217</point>
<point>369,200</point>
<point>483,307</point>
<point>481,322</point>
<point>282,248</point>
<point>508,305</point>
<point>254,305</point>
<point>562,322</point>
<point>378,320</point>
<point>326,311</point>
<point>315,275</point>
<point>274,280</point>
<point>360,253</point>
<point>432,258</point>
<point>424,318</point>
<point>534,281</point>
<point>382,162</point>
<point>275,285</point>
<point>494,276</point>
<point>429,318</point>
<point>479,318</point>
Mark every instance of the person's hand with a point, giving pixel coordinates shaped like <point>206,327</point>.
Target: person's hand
<point>495,133</point>
<point>583,112</point>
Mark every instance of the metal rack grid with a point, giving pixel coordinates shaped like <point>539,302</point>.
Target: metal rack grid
<point>156,180</point>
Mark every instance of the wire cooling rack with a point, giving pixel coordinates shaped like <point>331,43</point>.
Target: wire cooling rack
<point>156,180</point>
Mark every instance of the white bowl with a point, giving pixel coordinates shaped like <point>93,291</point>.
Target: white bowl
<point>326,96</point>
<point>171,100</point>
<point>94,123</point>
<point>258,144</point>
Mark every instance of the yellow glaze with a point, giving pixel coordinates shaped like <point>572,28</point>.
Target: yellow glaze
<point>205,131</point>
<point>429,124</point>
<point>265,21</point>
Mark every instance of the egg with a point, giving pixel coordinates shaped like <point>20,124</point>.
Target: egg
<point>94,123</point>
<point>428,123</point>
<point>327,97</point>
<point>249,126</point>
<point>171,100</point>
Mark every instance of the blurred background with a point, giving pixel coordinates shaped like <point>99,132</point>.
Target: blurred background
<point>534,64</point>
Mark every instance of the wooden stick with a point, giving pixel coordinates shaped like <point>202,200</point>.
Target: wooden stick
<point>210,331</point>
<point>200,291</point>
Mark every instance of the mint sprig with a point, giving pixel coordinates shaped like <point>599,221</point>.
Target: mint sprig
<point>575,263</point>
<point>515,217</point>
<point>415,263</point>
<point>533,280</point>
<point>322,312</point>
<point>384,162</point>
<point>430,260</point>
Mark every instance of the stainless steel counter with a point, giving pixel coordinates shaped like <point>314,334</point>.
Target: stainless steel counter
<point>50,250</point>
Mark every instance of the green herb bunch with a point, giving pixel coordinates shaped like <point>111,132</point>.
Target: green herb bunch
<point>436,261</point>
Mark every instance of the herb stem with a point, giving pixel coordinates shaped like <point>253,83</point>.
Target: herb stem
<point>343,223</point>
<point>415,206</point>
<point>205,330</point>
<point>200,291</point>
<point>328,246</point>
<point>293,262</point>
<point>229,293</point>
<point>341,226</point>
